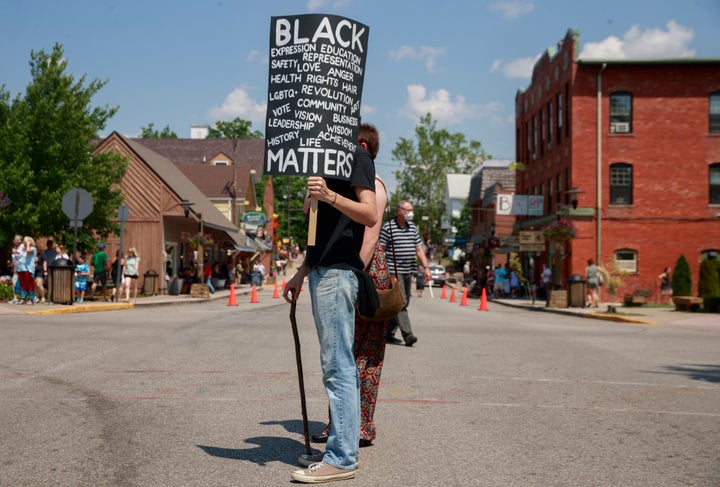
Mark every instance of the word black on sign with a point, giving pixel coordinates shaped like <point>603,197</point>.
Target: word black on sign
<point>317,67</point>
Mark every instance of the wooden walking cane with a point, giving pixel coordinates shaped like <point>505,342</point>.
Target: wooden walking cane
<point>298,359</point>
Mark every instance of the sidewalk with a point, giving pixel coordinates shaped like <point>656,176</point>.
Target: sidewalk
<point>100,305</point>
<point>642,315</point>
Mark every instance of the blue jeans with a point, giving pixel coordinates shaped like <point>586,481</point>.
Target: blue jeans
<point>208,281</point>
<point>333,293</point>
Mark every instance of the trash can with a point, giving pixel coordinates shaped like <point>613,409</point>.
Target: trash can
<point>150,282</point>
<point>576,291</point>
<point>61,274</point>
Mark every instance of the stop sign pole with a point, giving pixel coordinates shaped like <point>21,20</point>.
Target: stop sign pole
<point>77,204</point>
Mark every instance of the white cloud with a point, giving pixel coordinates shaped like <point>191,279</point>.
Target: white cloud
<point>366,110</point>
<point>424,53</point>
<point>512,9</point>
<point>518,68</point>
<point>638,44</point>
<point>444,109</point>
<point>253,55</point>
<point>240,104</point>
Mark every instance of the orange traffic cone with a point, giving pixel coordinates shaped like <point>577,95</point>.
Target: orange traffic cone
<point>276,294</point>
<point>444,293</point>
<point>232,300</point>
<point>283,285</point>
<point>254,297</point>
<point>452,295</point>
<point>463,300</point>
<point>483,301</point>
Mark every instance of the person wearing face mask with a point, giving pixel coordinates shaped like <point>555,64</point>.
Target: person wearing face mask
<point>402,242</point>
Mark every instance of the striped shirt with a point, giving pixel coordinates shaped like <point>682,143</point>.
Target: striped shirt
<point>406,241</point>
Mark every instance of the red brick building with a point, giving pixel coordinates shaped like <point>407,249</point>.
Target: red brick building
<point>629,151</point>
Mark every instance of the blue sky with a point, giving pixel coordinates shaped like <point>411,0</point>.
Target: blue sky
<point>183,62</point>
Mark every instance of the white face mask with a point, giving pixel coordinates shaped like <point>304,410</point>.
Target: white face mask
<point>409,215</point>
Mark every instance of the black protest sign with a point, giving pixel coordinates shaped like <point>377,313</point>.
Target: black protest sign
<point>317,66</point>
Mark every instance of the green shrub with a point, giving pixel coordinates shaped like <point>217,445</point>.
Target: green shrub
<point>6,291</point>
<point>712,304</point>
<point>709,282</point>
<point>682,278</point>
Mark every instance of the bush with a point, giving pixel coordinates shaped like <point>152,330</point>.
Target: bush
<point>682,278</point>
<point>709,282</point>
<point>712,304</point>
<point>6,291</point>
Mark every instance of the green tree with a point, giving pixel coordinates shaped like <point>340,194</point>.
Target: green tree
<point>682,278</point>
<point>46,150</point>
<point>425,163</point>
<point>150,132</point>
<point>709,280</point>
<point>236,130</point>
<point>289,201</point>
<point>463,222</point>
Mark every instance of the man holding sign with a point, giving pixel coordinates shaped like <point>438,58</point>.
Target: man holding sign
<point>345,208</point>
<point>317,64</point>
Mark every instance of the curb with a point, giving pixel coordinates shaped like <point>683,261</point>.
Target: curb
<point>595,315</point>
<point>110,306</point>
<point>81,309</point>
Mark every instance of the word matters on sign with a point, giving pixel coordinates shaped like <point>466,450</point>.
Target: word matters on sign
<point>317,66</point>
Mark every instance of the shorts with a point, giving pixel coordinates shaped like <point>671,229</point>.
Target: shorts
<point>80,285</point>
<point>100,278</point>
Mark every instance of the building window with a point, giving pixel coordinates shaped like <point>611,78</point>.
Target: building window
<point>559,118</point>
<point>535,135</point>
<point>550,194</point>
<point>567,109</point>
<point>621,184</point>
<point>715,113</point>
<point>715,183</point>
<point>542,131</point>
<point>221,163</point>
<point>551,125</point>
<point>620,113</point>
<point>558,181</point>
<point>626,260</point>
<point>528,142</point>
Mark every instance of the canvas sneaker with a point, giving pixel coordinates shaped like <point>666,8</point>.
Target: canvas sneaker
<point>13,301</point>
<point>306,460</point>
<point>321,472</point>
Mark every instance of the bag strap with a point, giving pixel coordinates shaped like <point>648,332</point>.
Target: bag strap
<point>392,241</point>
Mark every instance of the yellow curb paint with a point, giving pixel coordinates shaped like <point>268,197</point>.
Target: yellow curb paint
<point>81,309</point>
<point>622,319</point>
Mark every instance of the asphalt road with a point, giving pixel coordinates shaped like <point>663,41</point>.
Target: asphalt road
<point>207,394</point>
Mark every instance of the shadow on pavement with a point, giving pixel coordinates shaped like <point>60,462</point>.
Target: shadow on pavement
<point>703,372</point>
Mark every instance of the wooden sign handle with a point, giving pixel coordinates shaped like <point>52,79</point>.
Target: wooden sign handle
<point>312,225</point>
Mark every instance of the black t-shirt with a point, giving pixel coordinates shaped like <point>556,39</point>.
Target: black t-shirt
<point>346,248</point>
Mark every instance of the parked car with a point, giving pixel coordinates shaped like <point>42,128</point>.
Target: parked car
<point>438,274</point>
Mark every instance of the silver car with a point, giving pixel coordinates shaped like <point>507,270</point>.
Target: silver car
<point>438,274</point>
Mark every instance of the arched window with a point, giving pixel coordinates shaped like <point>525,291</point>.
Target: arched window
<point>626,260</point>
<point>621,184</point>
<point>621,113</point>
